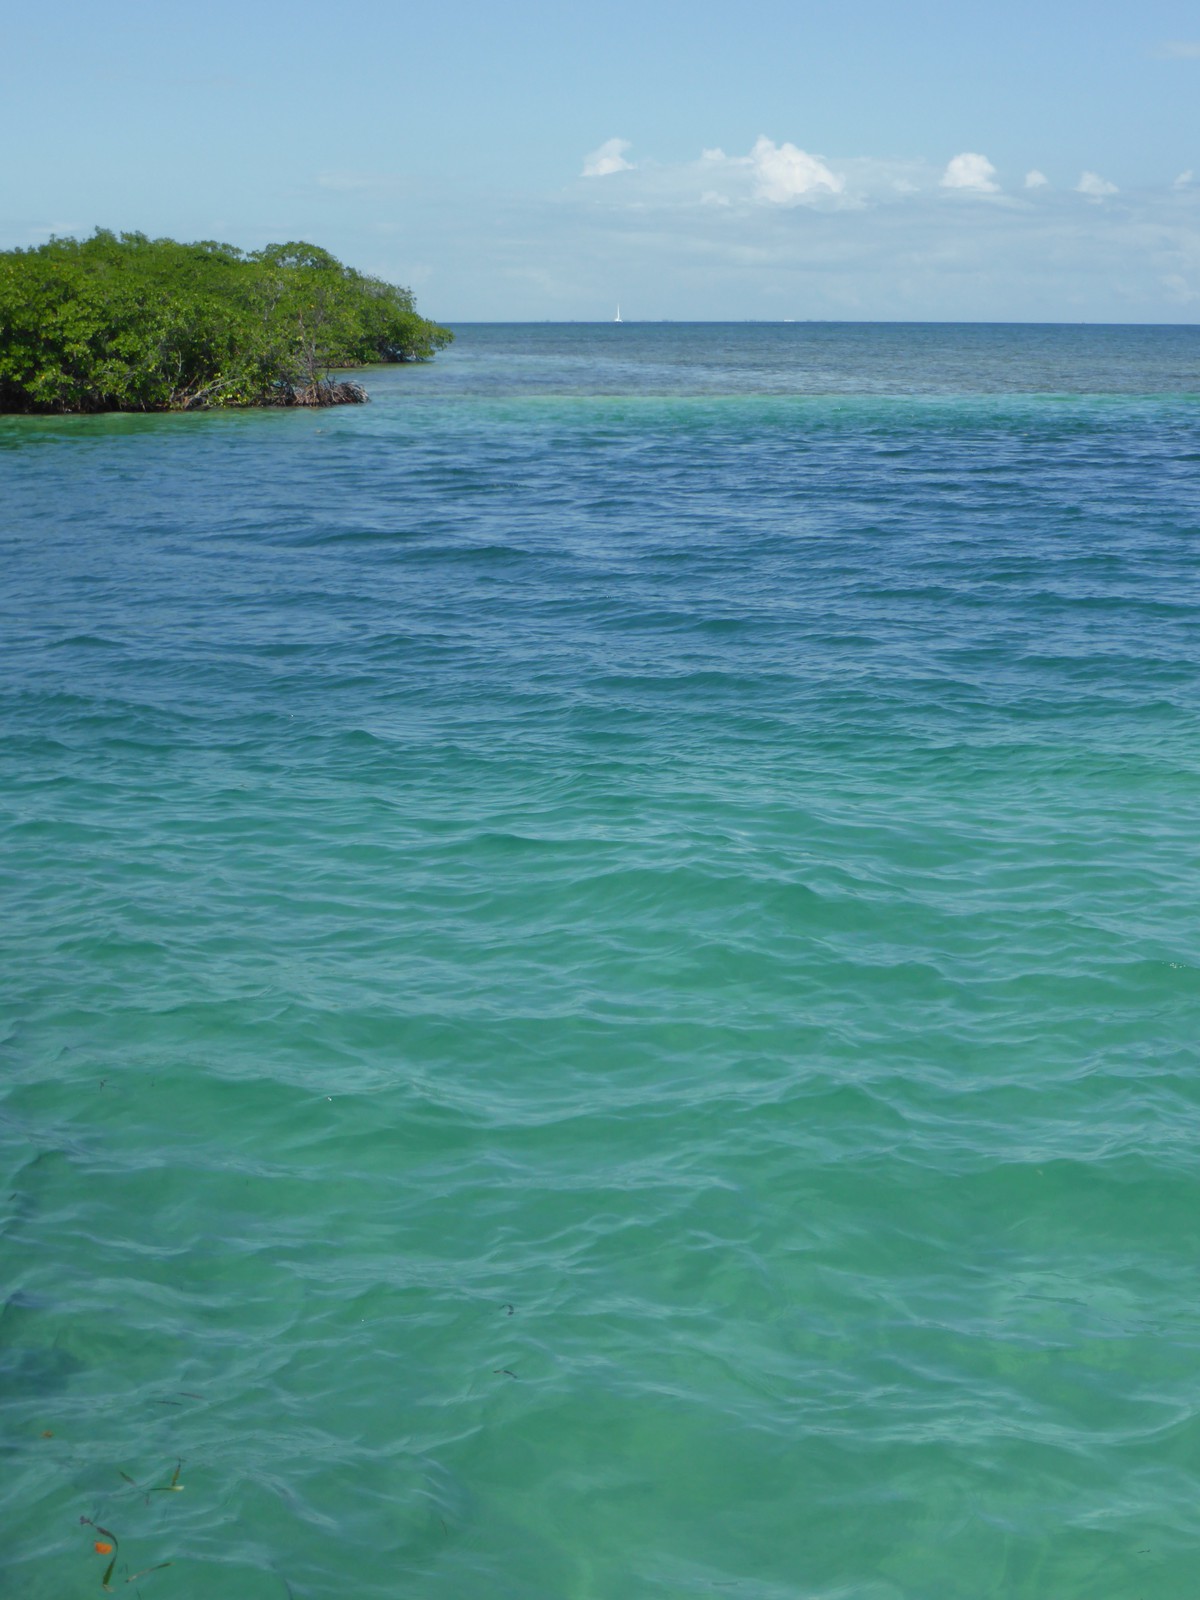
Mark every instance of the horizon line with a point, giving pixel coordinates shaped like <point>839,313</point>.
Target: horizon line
<point>779,322</point>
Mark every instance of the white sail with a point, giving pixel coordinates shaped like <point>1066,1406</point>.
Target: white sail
<point>617,318</point>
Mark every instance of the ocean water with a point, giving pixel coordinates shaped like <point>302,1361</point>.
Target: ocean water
<point>600,986</point>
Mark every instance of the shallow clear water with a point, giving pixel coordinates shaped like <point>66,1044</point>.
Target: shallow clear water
<point>601,975</point>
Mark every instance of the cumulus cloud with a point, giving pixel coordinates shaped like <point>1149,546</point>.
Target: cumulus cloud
<point>665,234</point>
<point>608,157</point>
<point>970,171</point>
<point>783,173</point>
<point>781,177</point>
<point>1094,186</point>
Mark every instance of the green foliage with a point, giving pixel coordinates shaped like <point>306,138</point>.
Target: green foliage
<point>120,322</point>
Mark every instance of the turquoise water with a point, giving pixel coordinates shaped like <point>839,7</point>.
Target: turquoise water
<point>600,976</point>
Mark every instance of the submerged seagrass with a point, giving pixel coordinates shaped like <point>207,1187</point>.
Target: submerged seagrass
<point>127,323</point>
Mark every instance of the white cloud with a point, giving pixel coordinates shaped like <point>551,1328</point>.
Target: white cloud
<point>882,179</point>
<point>1094,186</point>
<point>783,173</point>
<point>608,157</point>
<point>1181,49</point>
<point>779,178</point>
<point>970,171</point>
<point>1029,255</point>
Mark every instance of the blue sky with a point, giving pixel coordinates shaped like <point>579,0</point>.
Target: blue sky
<point>522,160</point>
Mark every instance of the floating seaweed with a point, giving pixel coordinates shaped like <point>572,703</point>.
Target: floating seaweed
<point>108,1544</point>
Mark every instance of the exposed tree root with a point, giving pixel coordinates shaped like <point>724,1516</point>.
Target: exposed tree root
<point>326,392</point>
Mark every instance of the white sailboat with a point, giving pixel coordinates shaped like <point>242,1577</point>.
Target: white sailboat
<point>617,318</point>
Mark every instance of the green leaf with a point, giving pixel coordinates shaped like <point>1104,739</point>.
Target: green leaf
<point>128,323</point>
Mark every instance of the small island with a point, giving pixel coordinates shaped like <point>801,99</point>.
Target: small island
<point>122,322</point>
